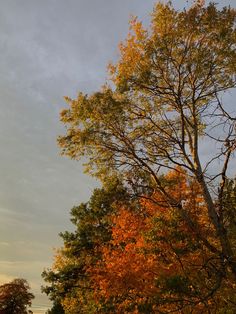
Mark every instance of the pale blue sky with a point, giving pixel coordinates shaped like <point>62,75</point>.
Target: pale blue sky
<point>49,49</point>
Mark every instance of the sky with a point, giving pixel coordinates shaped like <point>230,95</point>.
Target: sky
<point>49,49</point>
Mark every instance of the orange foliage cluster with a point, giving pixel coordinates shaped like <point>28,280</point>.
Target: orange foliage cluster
<point>153,246</point>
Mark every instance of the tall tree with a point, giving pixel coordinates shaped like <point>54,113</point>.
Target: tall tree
<point>164,104</point>
<point>15,297</point>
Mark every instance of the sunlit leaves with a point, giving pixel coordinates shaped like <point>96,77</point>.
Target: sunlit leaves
<point>156,260</point>
<point>170,245</point>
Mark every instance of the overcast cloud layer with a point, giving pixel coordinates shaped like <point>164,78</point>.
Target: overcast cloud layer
<point>49,48</point>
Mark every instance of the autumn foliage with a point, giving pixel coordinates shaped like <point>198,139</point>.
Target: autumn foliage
<point>156,262</point>
<point>15,297</point>
<point>160,235</point>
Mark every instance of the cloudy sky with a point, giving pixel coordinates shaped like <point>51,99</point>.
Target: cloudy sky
<point>49,49</point>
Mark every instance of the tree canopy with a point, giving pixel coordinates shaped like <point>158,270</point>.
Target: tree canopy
<point>171,245</point>
<point>148,258</point>
<point>166,102</point>
<point>157,263</point>
<point>15,297</point>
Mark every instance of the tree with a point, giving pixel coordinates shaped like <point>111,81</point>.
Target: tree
<point>15,297</point>
<point>154,262</point>
<point>147,259</point>
<point>165,103</point>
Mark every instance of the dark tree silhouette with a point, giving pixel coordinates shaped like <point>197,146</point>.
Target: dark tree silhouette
<point>15,297</point>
